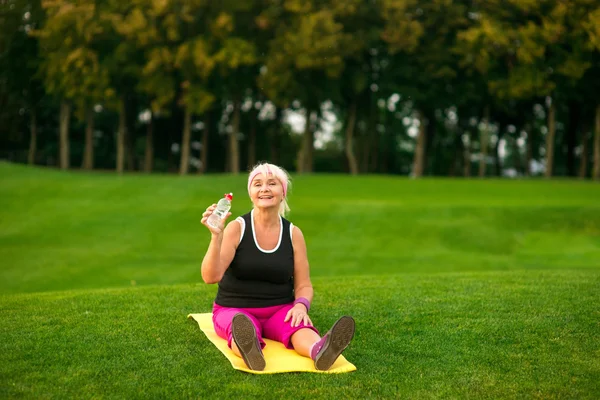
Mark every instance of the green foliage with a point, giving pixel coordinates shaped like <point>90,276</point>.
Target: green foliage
<point>403,30</point>
<point>420,37</point>
<point>592,27</point>
<point>200,55</point>
<point>236,52</point>
<point>530,48</point>
<point>21,89</point>
<point>72,68</point>
<point>197,97</point>
<point>159,82</point>
<point>307,53</point>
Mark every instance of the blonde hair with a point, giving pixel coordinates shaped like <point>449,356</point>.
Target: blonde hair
<point>282,176</point>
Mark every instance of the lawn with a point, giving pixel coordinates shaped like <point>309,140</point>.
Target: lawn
<point>460,288</point>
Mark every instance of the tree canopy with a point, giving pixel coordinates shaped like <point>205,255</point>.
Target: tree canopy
<point>412,87</point>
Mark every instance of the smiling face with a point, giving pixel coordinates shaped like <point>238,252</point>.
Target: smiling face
<point>266,191</point>
<point>268,186</point>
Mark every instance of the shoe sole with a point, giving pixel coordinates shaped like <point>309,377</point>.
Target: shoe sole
<point>244,335</point>
<point>339,338</point>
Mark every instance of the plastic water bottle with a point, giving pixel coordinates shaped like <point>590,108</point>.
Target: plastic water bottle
<point>221,211</point>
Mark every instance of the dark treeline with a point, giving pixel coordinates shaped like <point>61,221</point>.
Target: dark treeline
<point>436,87</point>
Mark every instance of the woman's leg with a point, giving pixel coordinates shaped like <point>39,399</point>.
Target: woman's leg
<point>326,351</point>
<point>303,341</point>
<point>300,338</point>
<point>244,336</point>
<point>243,333</point>
<point>222,321</point>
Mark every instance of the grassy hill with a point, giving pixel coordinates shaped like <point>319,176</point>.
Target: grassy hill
<point>485,289</point>
<point>76,231</point>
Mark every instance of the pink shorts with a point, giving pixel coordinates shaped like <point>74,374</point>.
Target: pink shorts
<point>268,322</point>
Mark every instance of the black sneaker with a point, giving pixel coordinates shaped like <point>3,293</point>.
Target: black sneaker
<point>244,335</point>
<point>334,343</point>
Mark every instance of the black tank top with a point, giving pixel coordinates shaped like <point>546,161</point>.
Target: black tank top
<point>257,277</point>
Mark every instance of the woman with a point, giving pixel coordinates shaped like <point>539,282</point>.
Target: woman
<point>260,263</point>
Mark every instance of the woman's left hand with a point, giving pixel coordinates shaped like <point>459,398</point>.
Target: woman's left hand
<point>298,314</point>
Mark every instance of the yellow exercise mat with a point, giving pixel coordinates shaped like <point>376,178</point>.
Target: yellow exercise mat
<point>278,358</point>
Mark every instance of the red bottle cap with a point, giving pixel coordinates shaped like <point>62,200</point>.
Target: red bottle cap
<point>229,196</point>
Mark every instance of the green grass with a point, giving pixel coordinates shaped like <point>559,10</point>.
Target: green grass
<point>460,289</point>
<point>76,231</point>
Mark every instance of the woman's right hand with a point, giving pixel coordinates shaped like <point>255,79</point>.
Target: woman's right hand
<point>208,213</point>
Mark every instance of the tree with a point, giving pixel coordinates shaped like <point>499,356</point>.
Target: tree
<point>126,35</point>
<point>195,64</point>
<point>153,30</point>
<point>362,21</point>
<point>72,67</point>
<point>239,36</point>
<point>20,86</point>
<point>530,50</point>
<point>596,173</point>
<point>420,35</point>
<point>305,57</point>
<point>590,82</point>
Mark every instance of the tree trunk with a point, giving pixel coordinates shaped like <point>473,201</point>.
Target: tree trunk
<point>185,142</point>
<point>309,139</point>
<point>149,150</point>
<point>431,141</point>
<point>529,155</point>
<point>33,139</point>
<point>252,141</point>
<point>366,143</point>
<point>419,160</point>
<point>483,141</point>
<point>172,123</point>
<point>498,160</point>
<point>372,153</point>
<point>352,164</point>
<point>517,156</point>
<point>372,149</point>
<point>550,140</point>
<point>458,149</point>
<point>88,155</point>
<point>234,146</point>
<point>584,154</point>
<point>467,156</point>
<point>65,116</point>
<point>596,174</point>
<point>274,133</point>
<point>387,140</point>
<point>205,139</point>
<point>130,149</point>
<point>384,162</point>
<point>300,159</point>
<point>363,149</point>
<point>574,117</point>
<point>304,155</point>
<point>131,117</point>
<point>121,136</point>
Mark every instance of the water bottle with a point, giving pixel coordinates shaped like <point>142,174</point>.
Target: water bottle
<point>221,211</point>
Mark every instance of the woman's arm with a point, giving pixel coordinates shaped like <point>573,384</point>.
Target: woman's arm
<point>302,284</point>
<point>220,253</point>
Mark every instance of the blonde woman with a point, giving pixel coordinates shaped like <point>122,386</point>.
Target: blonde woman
<point>260,264</point>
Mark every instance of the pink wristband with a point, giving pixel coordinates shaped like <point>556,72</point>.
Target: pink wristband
<point>304,301</point>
